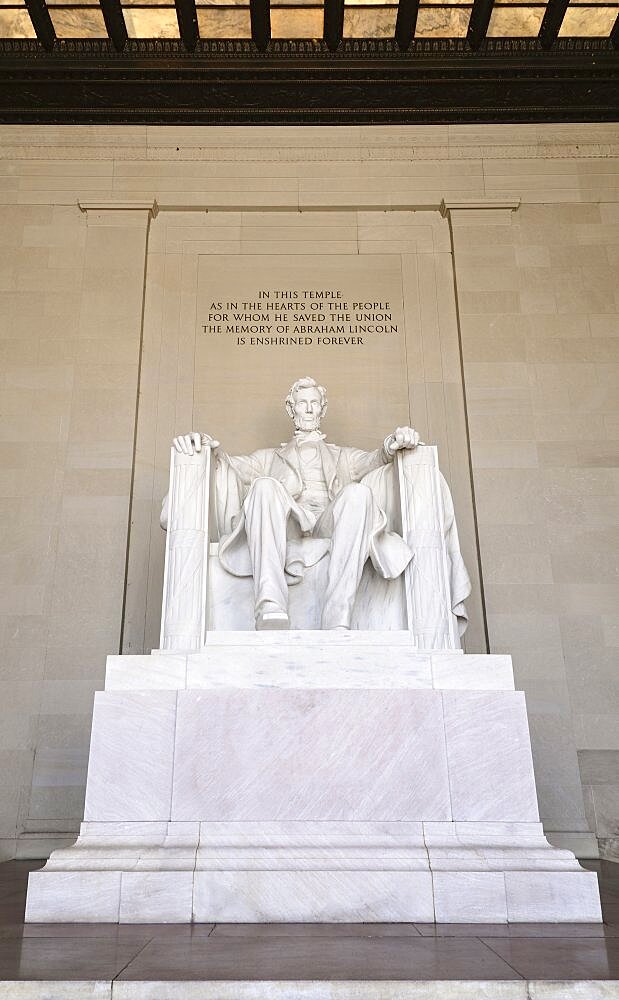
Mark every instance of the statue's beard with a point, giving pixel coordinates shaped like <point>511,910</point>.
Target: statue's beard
<point>308,423</point>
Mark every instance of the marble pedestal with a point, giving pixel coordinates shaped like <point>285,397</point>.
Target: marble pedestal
<point>308,776</point>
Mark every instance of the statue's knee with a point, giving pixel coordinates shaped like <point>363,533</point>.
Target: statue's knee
<point>264,488</point>
<point>264,484</point>
<point>357,494</point>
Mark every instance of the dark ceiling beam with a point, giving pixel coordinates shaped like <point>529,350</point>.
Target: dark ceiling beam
<point>478,23</point>
<point>614,35</point>
<point>115,23</point>
<point>334,23</point>
<point>260,15</point>
<point>299,81</point>
<point>553,19</point>
<point>42,23</point>
<point>187,16</point>
<point>406,22</point>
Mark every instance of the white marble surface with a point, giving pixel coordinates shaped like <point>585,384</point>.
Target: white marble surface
<point>148,834</point>
<point>131,756</point>
<point>57,989</point>
<point>584,989</point>
<point>310,990</point>
<point>310,659</point>
<point>156,897</point>
<point>251,871</point>
<point>379,604</point>
<point>313,896</point>
<point>353,799</point>
<point>469,897</point>
<point>383,989</point>
<point>73,896</point>
<point>312,637</point>
<point>322,666</point>
<point>489,754</point>
<point>559,896</point>
<point>312,833</point>
<point>493,832</point>
<point>163,671</point>
<point>477,672</point>
<point>310,755</point>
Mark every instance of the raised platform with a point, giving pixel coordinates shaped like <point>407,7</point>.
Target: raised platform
<point>309,777</point>
<point>306,962</point>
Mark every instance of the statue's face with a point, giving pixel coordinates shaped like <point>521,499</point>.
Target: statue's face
<point>307,409</point>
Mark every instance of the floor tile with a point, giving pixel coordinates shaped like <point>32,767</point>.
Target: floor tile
<point>264,931</point>
<point>11,913</point>
<point>120,932</point>
<point>10,885</point>
<point>519,930</point>
<point>43,958</point>
<point>289,958</point>
<point>139,934</point>
<point>15,899</point>
<point>547,958</point>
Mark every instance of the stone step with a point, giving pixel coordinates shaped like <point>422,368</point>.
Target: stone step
<point>255,661</point>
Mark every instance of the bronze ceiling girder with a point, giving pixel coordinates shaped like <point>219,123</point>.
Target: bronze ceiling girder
<point>362,81</point>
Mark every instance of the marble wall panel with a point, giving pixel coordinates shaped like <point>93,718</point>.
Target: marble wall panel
<point>86,896</point>
<point>37,390</point>
<point>131,757</point>
<point>311,755</point>
<point>255,896</point>
<point>544,896</point>
<point>542,475</point>
<point>144,896</point>
<point>599,771</point>
<point>469,897</point>
<point>487,741</point>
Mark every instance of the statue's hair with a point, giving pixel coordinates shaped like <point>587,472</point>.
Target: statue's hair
<point>306,383</point>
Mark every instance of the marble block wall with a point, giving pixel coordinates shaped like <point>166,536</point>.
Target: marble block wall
<point>538,297</point>
<point>70,348</point>
<point>511,320</point>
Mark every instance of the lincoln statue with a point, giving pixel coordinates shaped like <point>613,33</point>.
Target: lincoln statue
<point>307,499</point>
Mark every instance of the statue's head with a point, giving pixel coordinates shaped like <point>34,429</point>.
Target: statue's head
<point>306,404</point>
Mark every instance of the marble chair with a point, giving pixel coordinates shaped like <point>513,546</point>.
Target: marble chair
<point>200,596</point>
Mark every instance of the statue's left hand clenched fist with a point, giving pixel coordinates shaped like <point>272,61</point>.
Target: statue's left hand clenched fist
<point>402,437</point>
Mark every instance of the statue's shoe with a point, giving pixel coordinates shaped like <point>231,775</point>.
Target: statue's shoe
<point>272,620</point>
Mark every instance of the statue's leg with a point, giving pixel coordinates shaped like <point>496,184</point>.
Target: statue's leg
<point>267,508</point>
<point>353,517</point>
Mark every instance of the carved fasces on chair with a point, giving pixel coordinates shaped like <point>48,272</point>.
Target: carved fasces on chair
<point>426,578</point>
<point>183,618</point>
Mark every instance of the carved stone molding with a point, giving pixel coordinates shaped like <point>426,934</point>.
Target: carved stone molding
<point>301,81</point>
<point>119,206</point>
<point>475,204</point>
<point>301,48</point>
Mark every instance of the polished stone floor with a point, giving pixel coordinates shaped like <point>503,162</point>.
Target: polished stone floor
<point>112,955</point>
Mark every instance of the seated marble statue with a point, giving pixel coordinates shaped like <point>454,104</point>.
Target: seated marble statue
<point>281,510</point>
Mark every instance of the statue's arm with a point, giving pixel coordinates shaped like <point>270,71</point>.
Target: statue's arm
<point>362,462</point>
<point>246,467</point>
